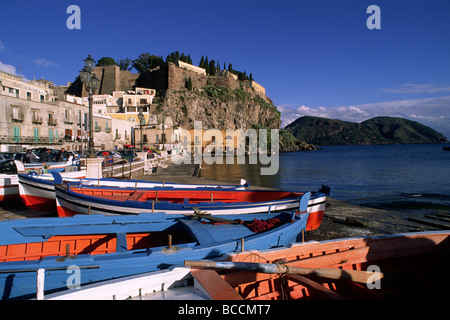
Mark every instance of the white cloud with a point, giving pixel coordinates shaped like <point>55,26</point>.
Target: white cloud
<point>2,46</point>
<point>44,62</point>
<point>433,112</point>
<point>418,88</point>
<point>8,68</point>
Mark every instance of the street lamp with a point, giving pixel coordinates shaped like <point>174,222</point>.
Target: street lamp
<point>142,122</point>
<point>91,83</point>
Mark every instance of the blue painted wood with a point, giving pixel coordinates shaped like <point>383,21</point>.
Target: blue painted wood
<point>18,279</point>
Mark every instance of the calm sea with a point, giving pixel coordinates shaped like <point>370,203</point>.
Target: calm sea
<point>400,177</point>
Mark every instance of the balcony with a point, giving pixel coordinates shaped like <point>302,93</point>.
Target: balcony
<point>36,120</point>
<point>17,117</point>
<point>98,129</point>
<point>30,140</point>
<point>52,122</point>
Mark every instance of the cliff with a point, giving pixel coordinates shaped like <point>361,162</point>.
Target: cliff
<point>220,102</point>
<point>379,130</point>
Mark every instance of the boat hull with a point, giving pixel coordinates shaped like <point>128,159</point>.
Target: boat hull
<point>70,203</point>
<point>39,194</point>
<point>414,266</point>
<point>18,278</point>
<point>390,253</point>
<point>9,187</point>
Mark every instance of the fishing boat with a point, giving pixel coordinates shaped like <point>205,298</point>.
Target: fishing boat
<point>106,247</point>
<point>74,199</point>
<point>38,192</point>
<point>41,167</point>
<point>9,182</point>
<point>9,189</point>
<point>403,266</point>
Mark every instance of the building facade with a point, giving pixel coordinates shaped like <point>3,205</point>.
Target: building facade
<point>32,115</point>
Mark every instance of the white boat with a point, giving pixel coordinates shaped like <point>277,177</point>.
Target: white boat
<point>38,191</point>
<point>9,182</point>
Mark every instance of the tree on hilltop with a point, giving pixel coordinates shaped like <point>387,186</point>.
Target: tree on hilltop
<point>147,61</point>
<point>105,61</point>
<point>212,68</point>
<point>125,64</point>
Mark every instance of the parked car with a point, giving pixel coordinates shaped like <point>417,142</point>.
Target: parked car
<point>8,166</point>
<point>128,154</point>
<point>6,156</point>
<point>110,156</point>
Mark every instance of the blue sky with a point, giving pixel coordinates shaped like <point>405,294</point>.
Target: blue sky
<point>313,57</point>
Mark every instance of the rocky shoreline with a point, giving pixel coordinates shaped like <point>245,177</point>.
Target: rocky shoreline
<point>341,219</point>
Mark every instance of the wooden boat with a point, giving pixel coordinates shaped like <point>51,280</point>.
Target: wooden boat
<point>72,199</point>
<point>106,247</point>
<point>38,192</point>
<point>9,183</point>
<point>9,189</point>
<point>411,266</point>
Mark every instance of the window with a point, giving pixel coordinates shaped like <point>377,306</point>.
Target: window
<point>42,98</point>
<point>51,137</point>
<point>28,96</point>
<point>36,134</point>
<point>143,101</point>
<point>15,113</point>
<point>16,134</point>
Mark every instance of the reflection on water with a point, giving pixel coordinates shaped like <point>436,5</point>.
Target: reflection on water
<point>235,172</point>
<point>401,177</point>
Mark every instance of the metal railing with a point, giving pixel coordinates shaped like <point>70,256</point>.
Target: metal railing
<point>30,140</point>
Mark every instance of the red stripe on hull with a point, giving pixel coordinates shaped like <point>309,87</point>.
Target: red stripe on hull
<point>65,212</point>
<point>39,203</point>
<point>314,220</point>
<point>9,197</point>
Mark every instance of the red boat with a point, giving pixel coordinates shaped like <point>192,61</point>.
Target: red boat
<point>410,266</point>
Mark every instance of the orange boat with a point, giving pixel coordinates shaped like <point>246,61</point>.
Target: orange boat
<point>409,266</point>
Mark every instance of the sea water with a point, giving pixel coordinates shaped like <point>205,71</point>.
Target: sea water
<point>412,177</point>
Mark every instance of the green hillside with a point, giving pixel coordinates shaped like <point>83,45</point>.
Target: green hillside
<point>379,130</point>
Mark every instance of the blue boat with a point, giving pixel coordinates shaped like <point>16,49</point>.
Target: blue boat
<point>72,199</point>
<point>78,250</point>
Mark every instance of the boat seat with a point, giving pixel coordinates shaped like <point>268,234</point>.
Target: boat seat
<point>208,233</point>
<point>202,235</point>
<point>138,195</point>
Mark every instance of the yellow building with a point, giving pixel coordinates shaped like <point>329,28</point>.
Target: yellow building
<point>211,140</point>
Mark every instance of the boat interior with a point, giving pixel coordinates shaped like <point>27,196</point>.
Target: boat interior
<point>413,268</point>
<point>185,196</point>
<point>109,238</point>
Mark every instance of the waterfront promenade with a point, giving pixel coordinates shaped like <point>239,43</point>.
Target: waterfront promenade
<point>341,218</point>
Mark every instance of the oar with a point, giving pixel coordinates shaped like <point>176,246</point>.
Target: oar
<point>329,273</point>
